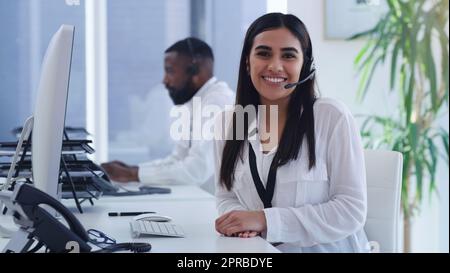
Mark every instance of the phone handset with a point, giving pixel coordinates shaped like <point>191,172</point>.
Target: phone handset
<point>45,227</point>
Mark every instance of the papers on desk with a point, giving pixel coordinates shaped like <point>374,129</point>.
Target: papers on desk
<point>12,152</point>
<point>8,148</point>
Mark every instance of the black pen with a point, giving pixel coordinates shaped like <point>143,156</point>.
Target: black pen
<point>131,213</point>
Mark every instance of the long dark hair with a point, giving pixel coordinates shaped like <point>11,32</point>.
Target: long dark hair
<point>300,120</point>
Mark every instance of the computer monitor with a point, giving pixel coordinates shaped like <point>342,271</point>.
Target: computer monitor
<point>50,111</point>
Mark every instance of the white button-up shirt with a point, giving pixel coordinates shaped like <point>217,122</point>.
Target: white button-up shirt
<point>191,161</point>
<point>318,210</point>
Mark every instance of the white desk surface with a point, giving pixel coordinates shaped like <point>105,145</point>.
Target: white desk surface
<point>195,216</point>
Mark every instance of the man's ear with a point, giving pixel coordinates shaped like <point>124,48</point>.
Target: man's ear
<point>196,79</point>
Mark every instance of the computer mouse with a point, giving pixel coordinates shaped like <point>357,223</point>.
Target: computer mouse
<point>152,217</point>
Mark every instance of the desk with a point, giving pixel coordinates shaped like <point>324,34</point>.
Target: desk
<point>195,216</point>
<point>178,192</point>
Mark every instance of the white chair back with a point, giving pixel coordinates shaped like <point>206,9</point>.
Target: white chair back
<point>384,180</point>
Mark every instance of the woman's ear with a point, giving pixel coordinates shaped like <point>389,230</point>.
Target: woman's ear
<point>248,66</point>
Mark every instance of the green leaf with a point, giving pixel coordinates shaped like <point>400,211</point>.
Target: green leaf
<point>402,88</point>
<point>413,136</point>
<point>432,185</point>
<point>364,33</point>
<point>363,92</point>
<point>433,163</point>
<point>444,139</point>
<point>394,64</point>
<point>430,69</point>
<point>361,53</point>
<point>443,39</point>
<point>392,7</point>
<point>432,189</point>
<point>398,145</point>
<point>409,98</point>
<point>405,177</point>
<point>407,36</point>
<point>418,164</point>
<point>362,81</point>
<point>380,39</point>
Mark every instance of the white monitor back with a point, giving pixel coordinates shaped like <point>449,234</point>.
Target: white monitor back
<point>50,111</point>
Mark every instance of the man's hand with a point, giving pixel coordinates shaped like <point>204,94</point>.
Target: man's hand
<point>121,172</point>
<point>244,224</point>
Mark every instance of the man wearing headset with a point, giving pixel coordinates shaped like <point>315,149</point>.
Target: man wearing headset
<point>188,66</point>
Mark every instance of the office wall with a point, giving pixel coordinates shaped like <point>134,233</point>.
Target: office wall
<point>337,79</point>
<point>135,55</point>
<point>138,34</point>
<point>26,28</point>
<point>9,91</point>
<point>228,22</point>
<point>45,19</point>
<point>334,60</point>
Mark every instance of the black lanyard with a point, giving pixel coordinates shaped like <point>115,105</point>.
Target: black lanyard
<point>266,194</point>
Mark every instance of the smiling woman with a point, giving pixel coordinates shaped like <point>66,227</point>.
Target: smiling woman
<point>298,195</point>
<point>276,59</point>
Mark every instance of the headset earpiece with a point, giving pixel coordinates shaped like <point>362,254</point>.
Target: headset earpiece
<point>307,73</point>
<point>308,70</point>
<point>193,68</point>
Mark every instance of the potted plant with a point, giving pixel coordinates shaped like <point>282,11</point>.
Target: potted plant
<point>410,37</point>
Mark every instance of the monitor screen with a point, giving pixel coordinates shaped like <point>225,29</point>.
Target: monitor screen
<point>50,111</point>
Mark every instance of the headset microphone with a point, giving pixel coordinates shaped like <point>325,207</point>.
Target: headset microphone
<point>290,85</point>
<point>310,67</point>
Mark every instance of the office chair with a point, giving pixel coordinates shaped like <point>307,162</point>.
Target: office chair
<point>384,180</point>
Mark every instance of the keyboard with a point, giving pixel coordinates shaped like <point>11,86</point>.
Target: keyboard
<point>144,227</point>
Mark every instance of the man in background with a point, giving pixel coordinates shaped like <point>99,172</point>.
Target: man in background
<point>188,66</point>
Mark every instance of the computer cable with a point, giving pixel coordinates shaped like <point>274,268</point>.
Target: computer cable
<point>133,247</point>
<point>109,245</point>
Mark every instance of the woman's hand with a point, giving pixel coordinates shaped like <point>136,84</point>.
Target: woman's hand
<point>243,223</point>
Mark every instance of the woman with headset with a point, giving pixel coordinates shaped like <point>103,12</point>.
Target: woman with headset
<point>297,177</point>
